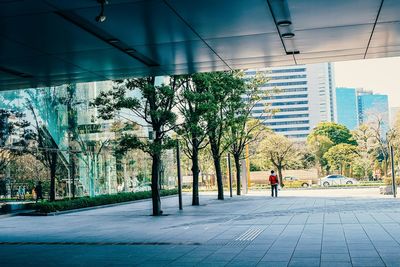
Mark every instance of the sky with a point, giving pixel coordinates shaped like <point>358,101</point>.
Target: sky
<point>379,75</point>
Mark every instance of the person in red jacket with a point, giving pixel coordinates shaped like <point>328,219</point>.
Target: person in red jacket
<point>273,181</point>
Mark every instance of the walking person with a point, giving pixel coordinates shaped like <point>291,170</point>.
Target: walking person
<point>39,191</point>
<point>273,181</point>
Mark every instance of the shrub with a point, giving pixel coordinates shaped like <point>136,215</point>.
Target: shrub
<point>83,202</point>
<point>388,180</point>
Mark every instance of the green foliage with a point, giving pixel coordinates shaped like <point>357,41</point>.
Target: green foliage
<point>341,156</point>
<point>84,202</point>
<point>242,128</point>
<point>193,99</point>
<point>337,133</point>
<point>150,102</point>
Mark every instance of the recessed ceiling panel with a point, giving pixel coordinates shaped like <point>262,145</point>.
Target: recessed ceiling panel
<point>70,4</point>
<point>332,53</point>
<point>11,8</point>
<point>390,11</point>
<point>49,33</point>
<point>214,19</point>
<point>330,39</point>
<point>42,66</point>
<point>386,34</point>
<point>263,60</point>
<point>196,67</point>
<point>178,53</point>
<point>329,59</point>
<point>9,50</point>
<point>248,46</point>
<point>140,23</point>
<point>311,14</point>
<point>263,64</point>
<point>98,60</point>
<point>46,42</point>
<point>127,73</point>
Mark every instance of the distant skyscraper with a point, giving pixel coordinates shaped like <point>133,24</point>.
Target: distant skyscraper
<point>373,107</point>
<point>306,97</point>
<point>347,107</point>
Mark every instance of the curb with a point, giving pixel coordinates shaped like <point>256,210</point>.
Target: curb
<point>34,213</point>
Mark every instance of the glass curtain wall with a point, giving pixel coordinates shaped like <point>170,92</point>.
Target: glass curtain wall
<point>86,145</point>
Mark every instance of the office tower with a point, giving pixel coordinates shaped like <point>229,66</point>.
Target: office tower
<point>373,108</point>
<point>305,97</point>
<point>347,107</point>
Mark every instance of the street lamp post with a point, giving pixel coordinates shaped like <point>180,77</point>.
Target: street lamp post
<point>178,166</point>
<point>230,174</point>
<point>393,174</point>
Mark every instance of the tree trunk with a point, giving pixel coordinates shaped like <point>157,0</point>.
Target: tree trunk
<point>218,171</point>
<point>73,175</point>
<point>237,166</point>
<point>53,169</point>
<point>280,177</point>
<point>155,188</point>
<point>195,172</point>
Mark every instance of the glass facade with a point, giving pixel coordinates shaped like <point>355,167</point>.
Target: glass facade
<point>85,144</point>
<point>373,108</point>
<point>346,107</point>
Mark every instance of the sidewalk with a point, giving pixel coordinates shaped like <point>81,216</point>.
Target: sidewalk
<point>320,228</point>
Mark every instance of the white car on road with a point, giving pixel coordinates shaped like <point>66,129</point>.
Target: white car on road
<point>337,180</point>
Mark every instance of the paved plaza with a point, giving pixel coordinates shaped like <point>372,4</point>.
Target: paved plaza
<point>331,227</point>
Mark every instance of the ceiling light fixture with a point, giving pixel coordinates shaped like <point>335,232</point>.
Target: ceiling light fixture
<point>113,41</point>
<point>101,17</point>
<point>284,23</point>
<point>287,35</point>
<point>130,50</point>
<point>295,52</point>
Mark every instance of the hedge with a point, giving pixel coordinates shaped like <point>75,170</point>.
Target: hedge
<point>84,202</point>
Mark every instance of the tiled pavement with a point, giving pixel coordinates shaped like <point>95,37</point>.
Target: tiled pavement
<point>334,227</point>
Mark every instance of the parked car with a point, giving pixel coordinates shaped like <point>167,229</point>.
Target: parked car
<point>294,180</point>
<point>337,180</point>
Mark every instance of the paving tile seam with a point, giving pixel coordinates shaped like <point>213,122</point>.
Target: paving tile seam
<point>361,225</point>
<point>103,243</point>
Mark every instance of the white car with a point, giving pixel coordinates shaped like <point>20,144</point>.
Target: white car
<point>337,180</point>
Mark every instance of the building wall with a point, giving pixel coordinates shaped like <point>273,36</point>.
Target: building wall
<point>305,97</point>
<point>373,107</point>
<point>347,107</point>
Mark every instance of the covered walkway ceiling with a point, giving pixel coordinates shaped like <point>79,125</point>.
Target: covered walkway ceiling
<point>59,41</point>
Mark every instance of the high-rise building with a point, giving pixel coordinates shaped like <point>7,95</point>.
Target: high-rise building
<point>347,107</point>
<point>373,108</point>
<point>358,106</point>
<point>305,97</point>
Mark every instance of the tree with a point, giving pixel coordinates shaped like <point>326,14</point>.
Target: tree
<point>281,151</point>
<point>319,145</point>
<point>364,137</point>
<point>219,86</point>
<point>193,107</point>
<point>337,133</point>
<point>14,135</point>
<point>381,141</point>
<point>341,156</point>
<point>244,130</point>
<point>47,151</point>
<point>142,98</point>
